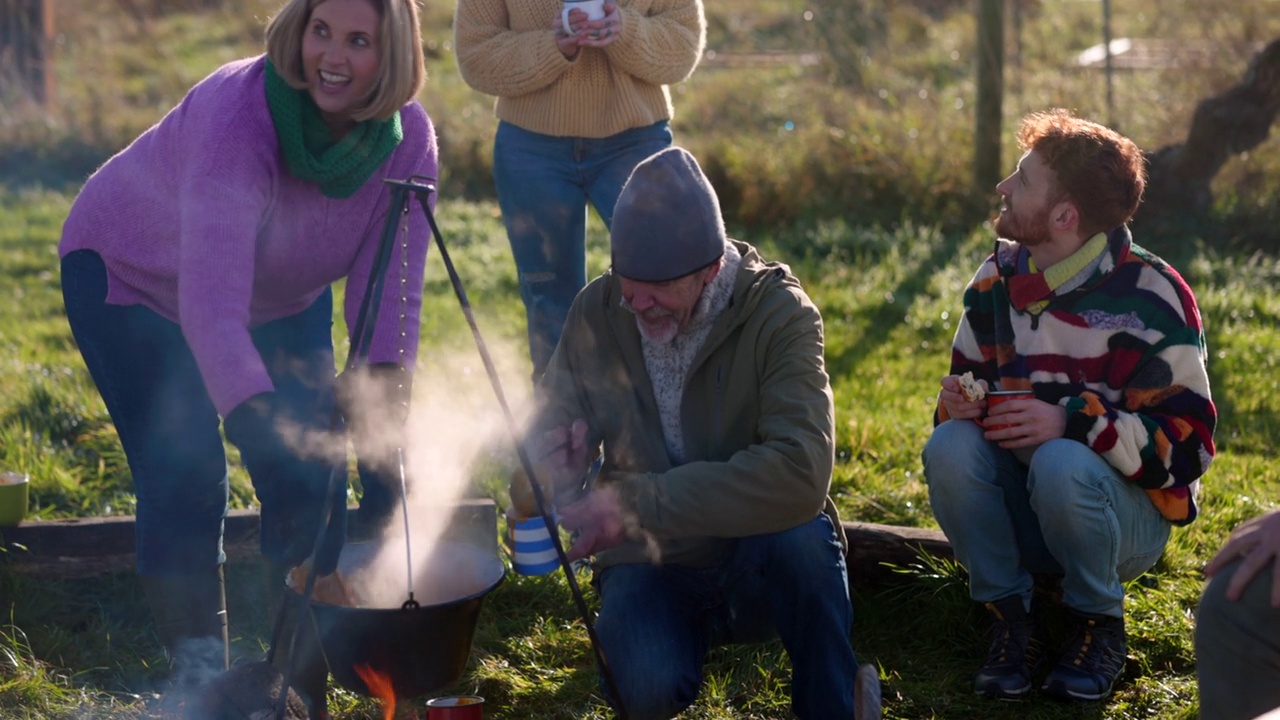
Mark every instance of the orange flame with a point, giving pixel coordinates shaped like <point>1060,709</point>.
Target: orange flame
<point>380,687</point>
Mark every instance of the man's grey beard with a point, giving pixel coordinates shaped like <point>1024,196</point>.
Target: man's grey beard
<point>668,332</point>
<point>663,335</point>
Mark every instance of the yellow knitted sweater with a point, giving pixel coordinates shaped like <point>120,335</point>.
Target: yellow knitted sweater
<point>507,48</point>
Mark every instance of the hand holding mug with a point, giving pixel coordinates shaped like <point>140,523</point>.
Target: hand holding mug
<point>1016,419</point>
<point>576,14</point>
<point>586,23</point>
<point>570,25</point>
<point>559,458</point>
<point>604,31</point>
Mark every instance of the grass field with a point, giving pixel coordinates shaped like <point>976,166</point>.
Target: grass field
<point>864,191</point>
<point>83,648</point>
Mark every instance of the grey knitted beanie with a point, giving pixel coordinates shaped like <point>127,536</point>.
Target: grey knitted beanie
<point>667,221</point>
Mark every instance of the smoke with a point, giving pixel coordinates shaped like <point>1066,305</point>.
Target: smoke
<point>455,426</point>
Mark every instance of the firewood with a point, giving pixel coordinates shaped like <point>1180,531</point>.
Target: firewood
<point>245,692</point>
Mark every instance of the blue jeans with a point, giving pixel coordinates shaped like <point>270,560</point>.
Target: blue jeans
<point>168,426</point>
<point>1068,512</point>
<point>544,184</point>
<point>657,622</point>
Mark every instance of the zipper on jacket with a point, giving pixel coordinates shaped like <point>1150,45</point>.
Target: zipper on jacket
<point>718,421</point>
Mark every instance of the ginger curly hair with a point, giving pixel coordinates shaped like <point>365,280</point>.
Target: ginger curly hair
<point>1101,171</point>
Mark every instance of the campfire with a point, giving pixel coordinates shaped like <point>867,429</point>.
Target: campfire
<point>380,687</point>
<point>384,639</point>
<point>454,707</point>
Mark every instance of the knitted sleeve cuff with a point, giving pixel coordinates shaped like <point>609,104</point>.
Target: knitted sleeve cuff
<point>1079,422</point>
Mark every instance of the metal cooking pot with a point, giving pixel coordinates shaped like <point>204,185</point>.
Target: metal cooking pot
<point>419,649</point>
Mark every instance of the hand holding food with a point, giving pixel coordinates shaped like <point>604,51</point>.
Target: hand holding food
<point>971,388</point>
<point>961,397</point>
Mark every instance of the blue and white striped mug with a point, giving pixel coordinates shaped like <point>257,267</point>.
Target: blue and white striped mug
<point>533,552</point>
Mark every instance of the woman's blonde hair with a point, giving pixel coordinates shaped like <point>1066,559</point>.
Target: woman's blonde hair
<point>401,72</point>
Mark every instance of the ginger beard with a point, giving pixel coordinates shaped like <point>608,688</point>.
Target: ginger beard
<point>1028,230</point>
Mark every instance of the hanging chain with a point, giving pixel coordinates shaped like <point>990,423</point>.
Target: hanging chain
<point>404,275</point>
<point>402,311</point>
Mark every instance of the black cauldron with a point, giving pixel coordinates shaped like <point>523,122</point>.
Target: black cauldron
<point>420,649</point>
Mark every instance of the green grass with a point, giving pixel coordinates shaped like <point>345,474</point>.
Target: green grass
<point>889,300</point>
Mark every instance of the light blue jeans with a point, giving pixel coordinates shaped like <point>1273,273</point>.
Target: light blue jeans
<point>1068,512</point>
<point>657,622</point>
<point>544,184</point>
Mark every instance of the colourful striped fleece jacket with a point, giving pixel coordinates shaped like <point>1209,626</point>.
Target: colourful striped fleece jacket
<point>1123,351</point>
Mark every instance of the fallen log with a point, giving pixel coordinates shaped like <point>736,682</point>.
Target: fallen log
<point>877,553</point>
<point>83,547</point>
<point>91,546</point>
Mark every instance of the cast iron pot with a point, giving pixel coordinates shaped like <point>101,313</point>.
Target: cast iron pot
<point>420,649</point>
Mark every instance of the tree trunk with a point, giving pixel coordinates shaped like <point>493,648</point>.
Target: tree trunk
<point>988,110</point>
<point>26,49</point>
<point>1224,125</point>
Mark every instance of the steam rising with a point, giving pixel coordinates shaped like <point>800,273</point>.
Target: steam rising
<point>454,421</point>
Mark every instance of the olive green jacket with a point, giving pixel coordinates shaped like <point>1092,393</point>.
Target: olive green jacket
<point>757,417</point>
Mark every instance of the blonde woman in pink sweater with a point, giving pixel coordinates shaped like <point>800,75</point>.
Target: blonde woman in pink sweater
<point>578,108</point>
<point>196,271</point>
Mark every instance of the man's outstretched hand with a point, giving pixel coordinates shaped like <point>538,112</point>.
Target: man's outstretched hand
<point>598,519</point>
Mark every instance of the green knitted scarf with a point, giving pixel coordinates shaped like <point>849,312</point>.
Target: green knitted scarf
<point>311,153</point>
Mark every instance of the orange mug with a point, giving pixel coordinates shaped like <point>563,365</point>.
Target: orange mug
<point>456,707</point>
<point>995,397</point>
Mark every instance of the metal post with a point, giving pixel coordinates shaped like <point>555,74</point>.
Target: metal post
<point>1106,45</point>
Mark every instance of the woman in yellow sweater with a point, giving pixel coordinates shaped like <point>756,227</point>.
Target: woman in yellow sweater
<point>578,107</point>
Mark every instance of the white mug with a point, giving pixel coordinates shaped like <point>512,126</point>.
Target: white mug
<point>593,8</point>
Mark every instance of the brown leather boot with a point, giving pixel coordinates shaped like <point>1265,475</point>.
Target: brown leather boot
<point>190,615</point>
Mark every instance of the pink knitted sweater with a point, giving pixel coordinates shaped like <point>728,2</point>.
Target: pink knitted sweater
<point>199,220</point>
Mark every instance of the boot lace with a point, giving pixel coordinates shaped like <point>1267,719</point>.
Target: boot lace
<point>1097,648</point>
<point>1013,643</point>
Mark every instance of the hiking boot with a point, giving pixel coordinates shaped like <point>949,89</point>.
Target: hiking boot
<point>1017,649</point>
<point>1092,660</point>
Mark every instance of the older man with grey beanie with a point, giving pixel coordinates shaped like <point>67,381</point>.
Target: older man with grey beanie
<point>667,221</point>
<point>693,371</point>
